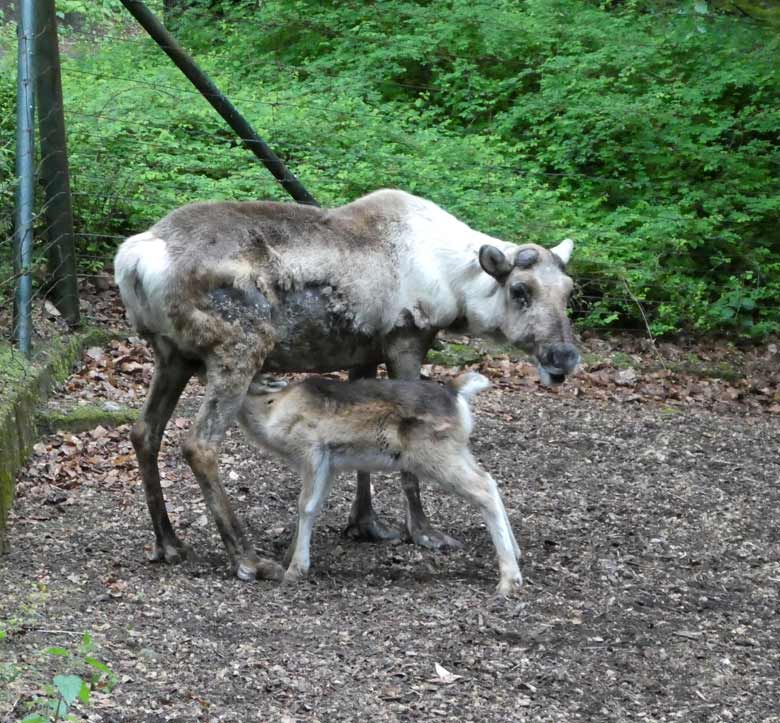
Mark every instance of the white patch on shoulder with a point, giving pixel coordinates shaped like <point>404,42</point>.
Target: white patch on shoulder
<point>142,271</point>
<point>441,270</point>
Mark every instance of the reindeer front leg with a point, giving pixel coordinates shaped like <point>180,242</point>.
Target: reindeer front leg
<point>317,479</point>
<point>405,351</point>
<point>363,524</point>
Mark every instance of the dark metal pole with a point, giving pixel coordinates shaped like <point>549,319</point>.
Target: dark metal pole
<point>218,101</point>
<point>25,174</point>
<point>55,174</point>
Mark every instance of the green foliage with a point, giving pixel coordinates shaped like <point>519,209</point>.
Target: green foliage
<point>88,14</point>
<point>86,673</point>
<point>647,131</point>
<point>7,145</point>
<point>67,689</point>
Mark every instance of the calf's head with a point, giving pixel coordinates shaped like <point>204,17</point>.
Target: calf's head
<point>533,293</point>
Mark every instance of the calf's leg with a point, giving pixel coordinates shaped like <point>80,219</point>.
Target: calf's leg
<point>515,546</point>
<point>363,523</point>
<point>317,481</point>
<point>171,374</point>
<point>467,479</point>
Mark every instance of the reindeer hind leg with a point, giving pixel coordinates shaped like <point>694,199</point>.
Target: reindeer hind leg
<point>171,374</point>
<point>467,479</point>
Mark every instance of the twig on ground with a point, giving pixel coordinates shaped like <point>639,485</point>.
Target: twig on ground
<point>28,629</point>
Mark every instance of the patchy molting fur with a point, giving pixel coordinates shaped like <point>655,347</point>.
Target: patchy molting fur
<point>414,258</point>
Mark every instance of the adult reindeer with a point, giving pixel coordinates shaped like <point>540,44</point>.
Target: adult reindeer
<point>235,289</point>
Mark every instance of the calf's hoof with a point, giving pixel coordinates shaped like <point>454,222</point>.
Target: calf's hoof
<point>293,574</point>
<point>252,567</point>
<point>370,529</point>
<point>171,551</point>
<point>433,539</point>
<point>509,586</point>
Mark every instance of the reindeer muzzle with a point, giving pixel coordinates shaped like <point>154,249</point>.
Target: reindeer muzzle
<point>556,362</point>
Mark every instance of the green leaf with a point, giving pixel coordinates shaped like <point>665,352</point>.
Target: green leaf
<point>86,643</point>
<point>59,708</point>
<point>36,718</point>
<point>748,304</point>
<point>95,663</point>
<point>64,652</point>
<point>69,686</point>
<point>84,693</point>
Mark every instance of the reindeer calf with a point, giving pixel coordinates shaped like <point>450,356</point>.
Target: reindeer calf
<point>322,427</point>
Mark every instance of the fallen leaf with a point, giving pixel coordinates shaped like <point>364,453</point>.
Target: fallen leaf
<point>626,377</point>
<point>444,675</point>
<point>98,432</point>
<point>690,634</point>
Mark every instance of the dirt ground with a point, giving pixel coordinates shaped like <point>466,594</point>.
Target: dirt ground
<point>651,563</point>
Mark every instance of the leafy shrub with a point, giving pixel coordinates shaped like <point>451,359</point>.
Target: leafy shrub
<point>650,132</point>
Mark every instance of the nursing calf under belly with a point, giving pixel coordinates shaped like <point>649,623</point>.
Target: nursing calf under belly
<point>322,427</point>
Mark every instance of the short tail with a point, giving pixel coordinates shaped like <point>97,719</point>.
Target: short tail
<point>469,384</point>
<point>142,269</point>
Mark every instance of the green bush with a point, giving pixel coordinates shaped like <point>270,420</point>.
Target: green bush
<point>650,132</point>
<point>7,173</point>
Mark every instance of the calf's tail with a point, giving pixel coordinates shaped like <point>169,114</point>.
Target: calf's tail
<point>469,384</point>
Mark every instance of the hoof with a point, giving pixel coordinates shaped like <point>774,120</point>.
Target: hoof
<point>293,574</point>
<point>171,551</point>
<point>252,568</point>
<point>432,539</point>
<point>509,586</point>
<point>370,529</point>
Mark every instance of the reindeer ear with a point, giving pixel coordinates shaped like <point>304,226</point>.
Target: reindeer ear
<point>563,250</point>
<point>494,262</point>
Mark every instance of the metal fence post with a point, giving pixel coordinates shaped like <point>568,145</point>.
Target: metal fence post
<point>61,254</point>
<point>25,174</point>
<point>218,101</point>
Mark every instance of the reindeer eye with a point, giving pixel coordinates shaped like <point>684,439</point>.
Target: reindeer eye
<point>520,293</point>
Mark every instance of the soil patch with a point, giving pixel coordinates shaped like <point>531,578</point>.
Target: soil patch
<point>651,566</point>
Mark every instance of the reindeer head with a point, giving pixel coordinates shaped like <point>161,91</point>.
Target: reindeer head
<point>533,294</point>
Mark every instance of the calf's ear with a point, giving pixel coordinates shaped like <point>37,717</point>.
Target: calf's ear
<point>494,262</point>
<point>563,250</point>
